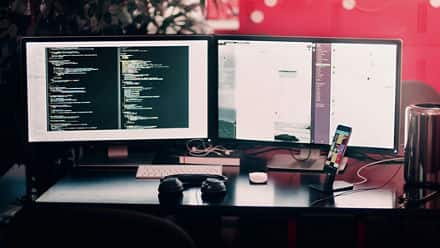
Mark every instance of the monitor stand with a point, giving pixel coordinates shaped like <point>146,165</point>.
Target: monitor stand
<point>330,184</point>
<point>307,160</point>
<point>114,155</point>
<point>117,152</point>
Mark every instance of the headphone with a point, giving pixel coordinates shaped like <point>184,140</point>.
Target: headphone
<point>171,187</point>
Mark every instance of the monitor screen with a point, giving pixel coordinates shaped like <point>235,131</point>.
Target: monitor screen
<point>113,89</point>
<point>297,90</point>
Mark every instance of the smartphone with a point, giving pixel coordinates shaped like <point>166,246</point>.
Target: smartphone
<point>338,146</point>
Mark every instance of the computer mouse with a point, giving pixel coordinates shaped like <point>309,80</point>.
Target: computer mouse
<point>171,185</point>
<point>258,177</point>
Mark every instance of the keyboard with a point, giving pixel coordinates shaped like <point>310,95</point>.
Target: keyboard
<point>163,170</point>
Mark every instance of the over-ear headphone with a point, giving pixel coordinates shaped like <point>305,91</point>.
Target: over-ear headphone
<point>171,187</point>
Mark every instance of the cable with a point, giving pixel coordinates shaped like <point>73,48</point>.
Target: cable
<point>201,148</point>
<point>406,202</point>
<point>364,179</point>
<point>264,150</point>
<point>357,190</point>
<point>302,159</point>
<point>365,156</point>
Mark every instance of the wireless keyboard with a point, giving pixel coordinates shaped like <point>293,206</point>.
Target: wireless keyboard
<point>163,170</point>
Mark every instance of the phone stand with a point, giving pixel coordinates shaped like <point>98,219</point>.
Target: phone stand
<point>330,184</point>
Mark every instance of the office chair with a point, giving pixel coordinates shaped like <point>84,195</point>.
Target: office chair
<point>93,227</point>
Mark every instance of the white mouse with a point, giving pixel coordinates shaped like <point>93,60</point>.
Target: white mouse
<point>258,177</point>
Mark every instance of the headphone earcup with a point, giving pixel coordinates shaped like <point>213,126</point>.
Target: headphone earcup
<point>171,185</point>
<point>213,188</point>
<point>170,191</point>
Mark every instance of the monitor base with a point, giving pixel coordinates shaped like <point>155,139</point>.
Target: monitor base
<point>307,160</point>
<point>117,152</point>
<point>330,184</point>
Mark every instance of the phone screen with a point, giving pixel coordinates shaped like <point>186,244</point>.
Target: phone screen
<point>338,146</point>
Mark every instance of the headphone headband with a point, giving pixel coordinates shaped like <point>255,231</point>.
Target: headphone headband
<point>195,179</point>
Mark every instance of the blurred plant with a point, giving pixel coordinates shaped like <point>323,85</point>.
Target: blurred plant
<point>168,16</point>
<point>117,17</point>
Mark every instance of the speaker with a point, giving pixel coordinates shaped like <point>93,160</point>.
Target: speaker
<point>422,145</point>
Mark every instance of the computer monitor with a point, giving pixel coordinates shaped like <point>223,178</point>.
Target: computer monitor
<point>126,88</point>
<point>295,91</point>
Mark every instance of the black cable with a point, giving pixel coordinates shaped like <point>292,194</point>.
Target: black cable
<point>357,190</point>
<point>256,153</point>
<point>406,202</point>
<point>264,150</point>
<point>365,156</point>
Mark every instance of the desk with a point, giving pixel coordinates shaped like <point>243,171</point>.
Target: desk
<point>365,217</point>
<point>285,193</point>
<point>284,206</point>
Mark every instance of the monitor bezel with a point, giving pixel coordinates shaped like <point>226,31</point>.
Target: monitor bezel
<point>211,89</point>
<point>351,149</point>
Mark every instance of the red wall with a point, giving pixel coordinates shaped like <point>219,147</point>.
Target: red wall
<point>416,22</point>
